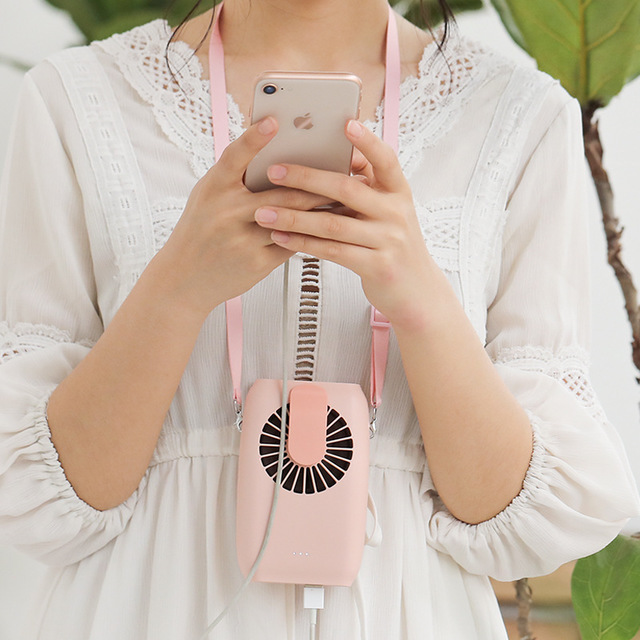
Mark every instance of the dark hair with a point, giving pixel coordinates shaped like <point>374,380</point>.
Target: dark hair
<point>425,21</point>
<point>420,16</point>
<point>176,31</point>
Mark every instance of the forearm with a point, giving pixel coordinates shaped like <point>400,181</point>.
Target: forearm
<point>477,437</point>
<point>106,416</point>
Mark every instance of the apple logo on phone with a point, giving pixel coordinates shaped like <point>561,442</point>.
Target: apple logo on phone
<point>303,122</point>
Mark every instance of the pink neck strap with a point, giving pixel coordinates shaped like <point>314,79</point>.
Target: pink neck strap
<point>218,84</point>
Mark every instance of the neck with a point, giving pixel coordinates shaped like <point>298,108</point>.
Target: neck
<point>306,35</point>
<point>325,35</point>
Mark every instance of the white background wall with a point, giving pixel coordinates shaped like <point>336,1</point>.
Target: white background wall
<point>31,29</point>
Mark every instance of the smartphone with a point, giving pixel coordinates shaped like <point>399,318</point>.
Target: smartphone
<point>312,110</point>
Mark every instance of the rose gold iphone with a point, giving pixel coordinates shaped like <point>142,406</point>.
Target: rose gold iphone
<point>312,110</point>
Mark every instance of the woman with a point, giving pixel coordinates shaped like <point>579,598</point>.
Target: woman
<point>117,444</point>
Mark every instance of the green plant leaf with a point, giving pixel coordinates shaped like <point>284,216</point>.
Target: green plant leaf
<point>125,21</point>
<point>635,63</point>
<point>98,19</point>
<point>84,13</point>
<point>505,15</point>
<point>179,10</point>
<point>605,589</point>
<point>591,46</point>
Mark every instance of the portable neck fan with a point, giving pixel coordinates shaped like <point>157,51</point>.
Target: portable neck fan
<point>319,529</point>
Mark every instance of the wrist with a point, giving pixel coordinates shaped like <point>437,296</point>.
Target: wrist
<point>428,308</point>
<point>163,280</point>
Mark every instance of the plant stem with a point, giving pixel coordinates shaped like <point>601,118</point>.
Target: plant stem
<point>525,600</point>
<point>594,153</point>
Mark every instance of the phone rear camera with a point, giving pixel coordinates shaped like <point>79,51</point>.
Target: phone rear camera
<point>270,89</point>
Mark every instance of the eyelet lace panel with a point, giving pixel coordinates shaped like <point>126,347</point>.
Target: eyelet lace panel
<point>308,312</point>
<point>570,366</point>
<point>440,223</point>
<point>165,215</point>
<point>183,109</point>
<point>485,215</point>
<point>23,338</point>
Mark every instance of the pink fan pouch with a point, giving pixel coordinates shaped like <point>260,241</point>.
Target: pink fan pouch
<point>320,523</point>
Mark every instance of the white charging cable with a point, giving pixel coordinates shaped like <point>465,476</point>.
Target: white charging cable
<point>314,601</point>
<point>278,480</point>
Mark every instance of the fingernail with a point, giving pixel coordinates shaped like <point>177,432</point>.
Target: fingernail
<point>277,172</point>
<point>355,128</point>
<point>266,215</point>
<point>280,237</point>
<point>267,126</point>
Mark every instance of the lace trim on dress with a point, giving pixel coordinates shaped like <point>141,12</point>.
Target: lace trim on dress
<point>485,213</point>
<point>430,102</point>
<point>569,365</point>
<point>24,337</point>
<point>181,108</point>
<point>121,194</point>
<point>164,216</point>
<point>440,223</point>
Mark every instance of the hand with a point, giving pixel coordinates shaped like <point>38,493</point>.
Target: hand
<point>217,251</point>
<point>379,238</point>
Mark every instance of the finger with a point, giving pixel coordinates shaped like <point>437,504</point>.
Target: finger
<point>350,256</point>
<point>259,236</point>
<point>358,162</point>
<point>347,190</point>
<point>290,198</point>
<point>384,162</point>
<point>341,210</point>
<point>319,224</point>
<point>360,166</point>
<point>236,157</point>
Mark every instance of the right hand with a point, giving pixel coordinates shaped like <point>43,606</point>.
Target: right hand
<point>217,251</point>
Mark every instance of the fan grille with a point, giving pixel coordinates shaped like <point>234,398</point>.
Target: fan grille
<point>319,477</point>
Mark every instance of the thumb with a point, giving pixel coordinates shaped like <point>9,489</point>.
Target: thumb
<point>361,166</point>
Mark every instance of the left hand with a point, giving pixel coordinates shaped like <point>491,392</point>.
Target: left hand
<point>376,234</point>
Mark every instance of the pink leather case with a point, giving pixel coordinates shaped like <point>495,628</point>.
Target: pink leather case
<point>320,525</point>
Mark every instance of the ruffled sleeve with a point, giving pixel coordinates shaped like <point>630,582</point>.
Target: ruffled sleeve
<point>48,321</point>
<point>579,490</point>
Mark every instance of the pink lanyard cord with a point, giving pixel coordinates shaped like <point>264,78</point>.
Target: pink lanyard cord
<point>391,107</point>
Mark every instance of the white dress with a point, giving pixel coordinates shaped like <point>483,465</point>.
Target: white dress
<point>104,154</point>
